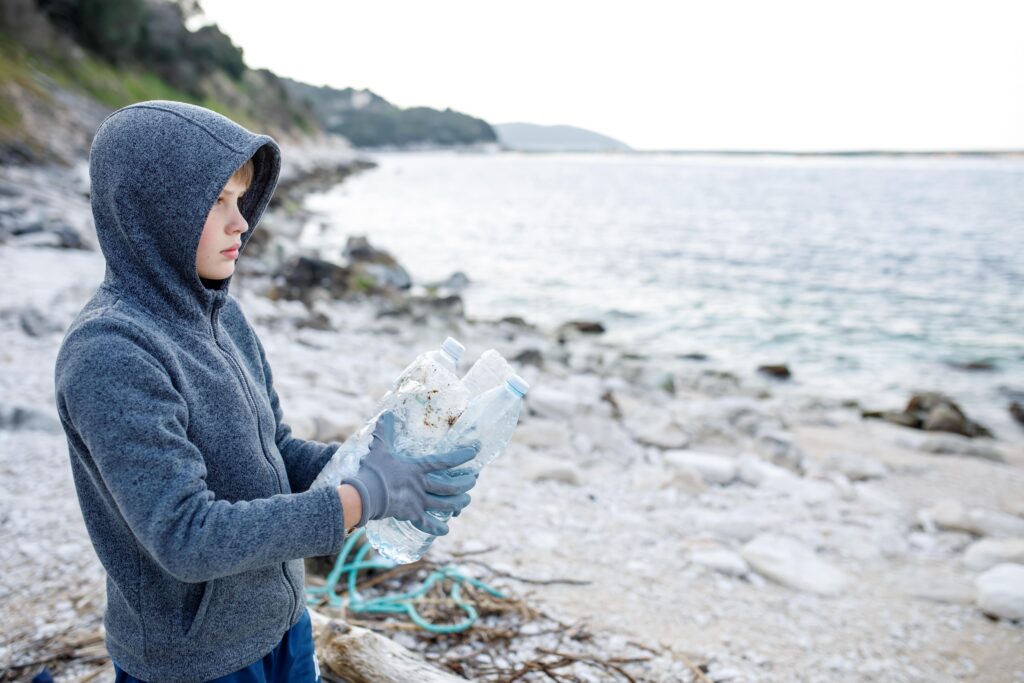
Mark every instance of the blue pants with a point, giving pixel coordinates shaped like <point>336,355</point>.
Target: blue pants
<point>292,661</point>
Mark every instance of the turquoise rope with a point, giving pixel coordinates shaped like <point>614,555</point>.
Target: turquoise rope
<point>403,603</point>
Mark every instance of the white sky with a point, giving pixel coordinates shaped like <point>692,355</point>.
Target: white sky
<point>718,74</point>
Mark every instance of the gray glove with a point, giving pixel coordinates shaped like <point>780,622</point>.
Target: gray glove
<point>394,484</point>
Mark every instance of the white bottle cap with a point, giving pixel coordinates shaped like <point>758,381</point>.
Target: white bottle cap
<point>453,348</point>
<point>518,384</point>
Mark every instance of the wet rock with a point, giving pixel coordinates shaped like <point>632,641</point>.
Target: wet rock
<point>696,355</point>
<point>776,371</point>
<point>989,552</point>
<point>1000,591</point>
<point>713,469</point>
<point>377,263</point>
<point>1017,411</point>
<point>302,275</point>
<point>932,411</point>
<point>785,561</point>
<point>980,365</point>
<point>577,328</point>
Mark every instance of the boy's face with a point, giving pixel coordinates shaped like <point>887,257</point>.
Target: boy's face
<point>215,259</point>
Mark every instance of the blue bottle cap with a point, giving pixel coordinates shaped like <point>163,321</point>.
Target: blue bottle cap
<point>518,384</point>
<point>453,348</point>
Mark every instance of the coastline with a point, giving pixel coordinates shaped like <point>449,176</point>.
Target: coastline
<point>673,504</point>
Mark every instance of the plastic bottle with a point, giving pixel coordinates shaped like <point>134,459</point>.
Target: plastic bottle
<point>490,419</point>
<point>489,371</point>
<point>427,396</point>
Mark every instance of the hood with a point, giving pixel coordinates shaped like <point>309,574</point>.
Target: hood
<point>156,169</point>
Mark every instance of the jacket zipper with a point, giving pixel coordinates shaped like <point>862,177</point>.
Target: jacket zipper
<point>259,430</point>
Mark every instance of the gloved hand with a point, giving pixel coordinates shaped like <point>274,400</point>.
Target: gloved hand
<point>393,484</point>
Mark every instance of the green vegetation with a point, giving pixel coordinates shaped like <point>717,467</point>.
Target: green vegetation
<point>369,120</point>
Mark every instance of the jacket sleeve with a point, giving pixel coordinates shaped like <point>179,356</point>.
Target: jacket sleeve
<point>303,459</point>
<point>122,403</point>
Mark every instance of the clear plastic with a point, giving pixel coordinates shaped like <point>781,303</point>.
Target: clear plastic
<point>490,419</point>
<point>427,396</point>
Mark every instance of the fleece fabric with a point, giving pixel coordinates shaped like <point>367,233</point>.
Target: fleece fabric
<point>193,489</point>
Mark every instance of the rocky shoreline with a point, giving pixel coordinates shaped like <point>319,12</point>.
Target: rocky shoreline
<point>737,535</point>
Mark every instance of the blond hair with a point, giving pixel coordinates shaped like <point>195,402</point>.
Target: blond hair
<point>244,173</point>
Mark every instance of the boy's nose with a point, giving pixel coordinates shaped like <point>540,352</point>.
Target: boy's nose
<point>238,222</point>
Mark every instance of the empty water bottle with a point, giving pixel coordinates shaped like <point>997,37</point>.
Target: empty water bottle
<point>427,397</point>
<point>489,419</point>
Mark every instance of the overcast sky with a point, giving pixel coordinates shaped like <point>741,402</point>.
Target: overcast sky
<point>816,75</point>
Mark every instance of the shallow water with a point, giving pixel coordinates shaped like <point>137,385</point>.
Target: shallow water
<point>868,276</point>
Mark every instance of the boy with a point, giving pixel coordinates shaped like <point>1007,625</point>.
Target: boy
<point>194,492</point>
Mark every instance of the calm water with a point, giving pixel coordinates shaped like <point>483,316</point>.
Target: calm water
<point>867,276</point>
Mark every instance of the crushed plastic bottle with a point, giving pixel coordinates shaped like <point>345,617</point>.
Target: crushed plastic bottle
<point>490,419</point>
<point>427,397</point>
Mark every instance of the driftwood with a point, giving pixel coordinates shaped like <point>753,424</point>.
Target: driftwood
<point>361,656</point>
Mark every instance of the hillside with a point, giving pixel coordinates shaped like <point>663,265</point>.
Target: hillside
<point>368,120</point>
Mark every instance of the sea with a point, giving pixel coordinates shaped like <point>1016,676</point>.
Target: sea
<point>871,277</point>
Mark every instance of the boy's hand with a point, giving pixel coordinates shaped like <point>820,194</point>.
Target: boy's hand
<point>393,484</point>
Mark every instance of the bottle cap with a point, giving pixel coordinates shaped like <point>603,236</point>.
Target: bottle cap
<point>518,384</point>
<point>453,348</point>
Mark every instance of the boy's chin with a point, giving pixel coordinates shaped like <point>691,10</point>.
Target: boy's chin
<point>216,273</point>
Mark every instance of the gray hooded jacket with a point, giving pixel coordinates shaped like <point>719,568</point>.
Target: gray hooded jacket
<point>194,491</point>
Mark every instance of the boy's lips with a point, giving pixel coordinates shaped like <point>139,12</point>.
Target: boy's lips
<point>232,252</point>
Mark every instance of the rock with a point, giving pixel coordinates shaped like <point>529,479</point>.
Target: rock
<point>735,526</point>
<point>1017,411</point>
<point>529,357</point>
<point>778,446</point>
<point>548,401</point>
<point>955,444</point>
<point>713,469</point>
<point>952,515</point>
<point>932,411</point>
<point>18,417</point>
<point>789,563</point>
<point>721,560</point>
<point>775,371</point>
<point>755,472</point>
<point>855,467</point>
<point>992,551</point>
<point>576,328</point>
<point>301,275</point>
<point>1000,591</point>
<point>376,263</point>
<point>455,282</point>
<point>554,434</point>
<point>537,467</point>
<point>980,365</point>
<point>35,324</point>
